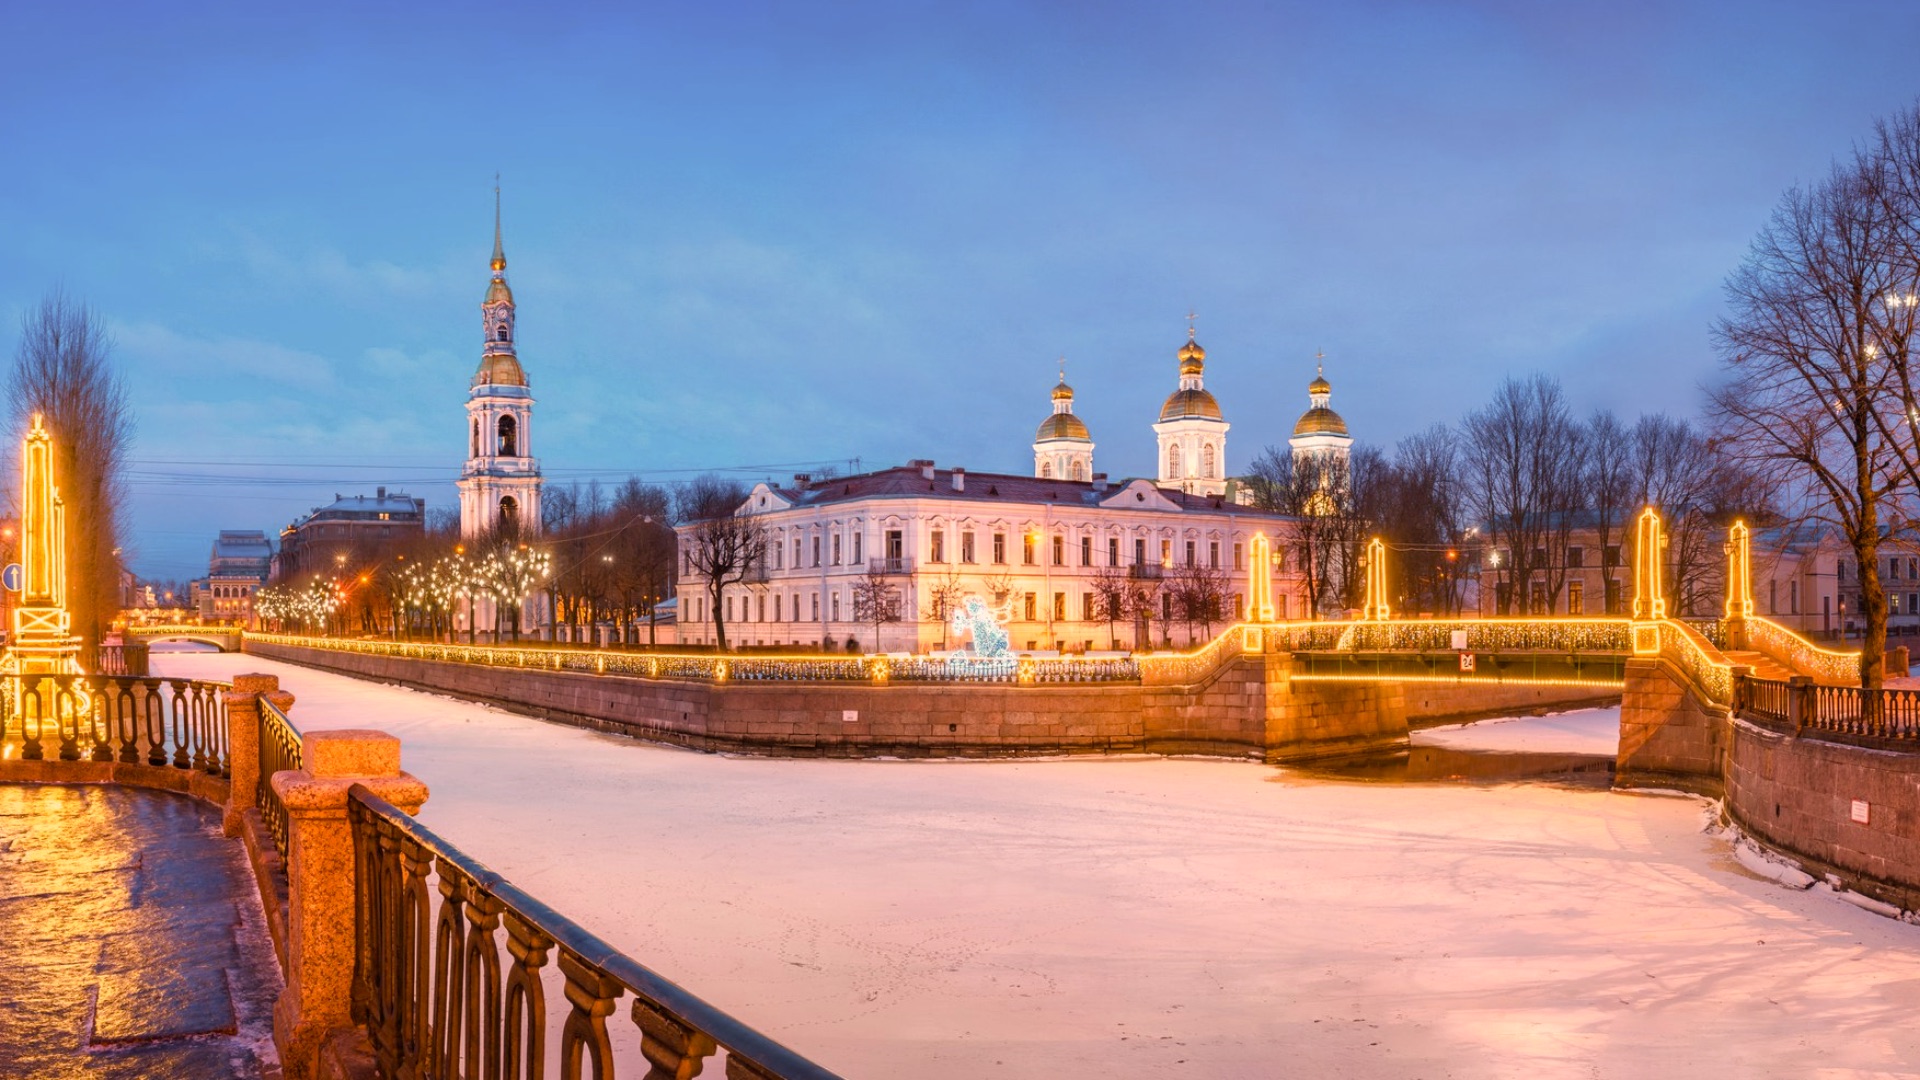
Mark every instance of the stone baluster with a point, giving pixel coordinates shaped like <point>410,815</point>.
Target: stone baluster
<point>316,1004</point>
<point>675,1050</point>
<point>243,743</point>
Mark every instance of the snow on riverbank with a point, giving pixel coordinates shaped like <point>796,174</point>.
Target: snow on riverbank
<point>1149,917</point>
<point>1584,731</point>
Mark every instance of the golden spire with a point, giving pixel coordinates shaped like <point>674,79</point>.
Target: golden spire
<point>499,253</point>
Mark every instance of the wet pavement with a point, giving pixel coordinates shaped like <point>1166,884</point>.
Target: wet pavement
<point>131,939</point>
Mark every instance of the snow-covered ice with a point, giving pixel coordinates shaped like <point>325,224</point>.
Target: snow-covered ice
<point>1584,731</point>
<point>1148,917</point>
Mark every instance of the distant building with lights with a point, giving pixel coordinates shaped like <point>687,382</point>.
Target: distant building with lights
<point>238,566</point>
<point>1042,549</point>
<point>353,529</point>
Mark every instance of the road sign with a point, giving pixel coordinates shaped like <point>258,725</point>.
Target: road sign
<point>1466,661</point>
<point>13,577</point>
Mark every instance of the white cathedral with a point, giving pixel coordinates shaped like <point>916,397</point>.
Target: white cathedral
<point>1036,546</point>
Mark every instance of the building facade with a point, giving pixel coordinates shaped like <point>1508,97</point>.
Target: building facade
<point>353,530</point>
<point>239,565</point>
<point>1041,553</point>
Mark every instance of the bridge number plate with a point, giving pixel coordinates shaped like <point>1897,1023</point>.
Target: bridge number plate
<point>1466,661</point>
<point>13,577</point>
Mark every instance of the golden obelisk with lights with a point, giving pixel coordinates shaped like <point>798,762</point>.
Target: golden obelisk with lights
<point>43,642</point>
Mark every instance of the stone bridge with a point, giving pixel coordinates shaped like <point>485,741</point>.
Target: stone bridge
<point>224,638</point>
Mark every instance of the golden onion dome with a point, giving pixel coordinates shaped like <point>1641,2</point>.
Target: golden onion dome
<point>1063,425</point>
<point>1193,358</point>
<point>1320,421</point>
<point>1319,385</point>
<point>500,369</point>
<point>1063,392</point>
<point>1188,403</point>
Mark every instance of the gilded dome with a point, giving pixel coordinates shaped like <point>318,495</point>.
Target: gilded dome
<point>1063,392</point>
<point>500,369</point>
<point>1320,420</point>
<point>1062,425</point>
<point>1319,385</point>
<point>498,293</point>
<point>1187,403</point>
<point>1192,358</point>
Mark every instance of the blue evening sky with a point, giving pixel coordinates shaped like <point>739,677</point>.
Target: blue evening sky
<point>762,236</point>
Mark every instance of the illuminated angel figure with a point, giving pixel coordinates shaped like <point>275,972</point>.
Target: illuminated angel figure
<point>988,634</point>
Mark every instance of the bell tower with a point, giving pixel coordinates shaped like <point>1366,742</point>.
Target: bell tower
<point>500,483</point>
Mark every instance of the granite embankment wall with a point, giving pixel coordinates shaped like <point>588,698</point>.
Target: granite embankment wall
<point>1801,795</point>
<point>1248,707</point>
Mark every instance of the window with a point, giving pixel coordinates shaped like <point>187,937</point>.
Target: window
<point>1773,597</point>
<point>776,608</point>
<point>816,549</point>
<point>508,437</point>
<point>816,606</point>
<point>836,547</point>
<point>729,609</point>
<point>1166,553</point>
<point>1166,606</point>
<point>1576,558</point>
<point>1029,606</point>
<point>1540,557</point>
<point>1239,556</point>
<point>1213,554</point>
<point>760,614</point>
<point>966,546</point>
<point>1086,551</point>
<point>1026,548</point>
<point>1139,552</point>
<point>796,553</point>
<point>1611,557</point>
<point>1075,471</point>
<point>1059,550</point>
<point>1840,571</point>
<point>836,604</point>
<point>1189,553</point>
<point>1046,469</point>
<point>1576,598</point>
<point>1113,551</point>
<point>999,547</point>
<point>1239,607</point>
<point>937,546</point>
<point>475,452</point>
<point>1206,461</point>
<point>775,549</point>
<point>1059,606</point>
<point>896,550</point>
<point>1893,570</point>
<point>858,536</point>
<point>1173,463</point>
<point>1087,607</point>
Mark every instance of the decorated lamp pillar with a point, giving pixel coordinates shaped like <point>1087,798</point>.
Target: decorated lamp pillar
<point>1376,608</point>
<point>1649,600</point>
<point>1260,580</point>
<point>43,642</point>
<point>1739,583</point>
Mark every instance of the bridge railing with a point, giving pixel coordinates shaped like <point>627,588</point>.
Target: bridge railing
<point>1844,713</point>
<point>1590,635</point>
<point>428,979</point>
<point>1696,657</point>
<point>718,667</point>
<point>279,745</point>
<point>1803,656</point>
<point>169,723</point>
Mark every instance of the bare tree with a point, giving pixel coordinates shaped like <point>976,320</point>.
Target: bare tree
<point>945,594</point>
<point>1199,596</point>
<point>63,370</point>
<point>1522,450</point>
<point>1609,486</point>
<point>1809,382</point>
<point>1311,488</point>
<point>876,599</point>
<point>724,544</point>
<point>1112,586</point>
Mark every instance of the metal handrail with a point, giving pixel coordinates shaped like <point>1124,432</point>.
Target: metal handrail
<point>279,752</point>
<point>414,1003</point>
<point>162,722</point>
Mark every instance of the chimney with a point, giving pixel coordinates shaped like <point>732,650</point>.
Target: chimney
<point>382,494</point>
<point>926,468</point>
<point>1099,481</point>
<point>801,480</point>
<point>959,478</point>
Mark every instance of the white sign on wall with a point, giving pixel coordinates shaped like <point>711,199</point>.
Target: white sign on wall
<point>1861,811</point>
<point>849,716</point>
<point>1459,640</point>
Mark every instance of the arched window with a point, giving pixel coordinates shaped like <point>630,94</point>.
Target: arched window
<point>1206,461</point>
<point>475,451</point>
<point>1076,471</point>
<point>508,437</point>
<point>1046,469</point>
<point>1173,463</point>
<point>500,334</point>
<point>509,515</point>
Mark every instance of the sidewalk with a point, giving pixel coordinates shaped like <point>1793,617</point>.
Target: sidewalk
<point>131,939</point>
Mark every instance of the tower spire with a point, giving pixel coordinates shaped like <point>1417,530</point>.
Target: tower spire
<point>499,253</point>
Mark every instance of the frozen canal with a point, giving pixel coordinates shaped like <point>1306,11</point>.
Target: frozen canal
<point>1146,917</point>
